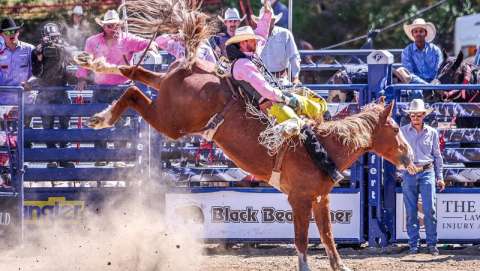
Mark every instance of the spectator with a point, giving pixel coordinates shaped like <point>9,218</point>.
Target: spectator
<point>279,8</point>
<point>115,45</point>
<point>425,143</point>
<point>231,19</point>
<point>49,64</point>
<point>78,30</point>
<point>280,51</point>
<point>421,58</point>
<point>15,58</point>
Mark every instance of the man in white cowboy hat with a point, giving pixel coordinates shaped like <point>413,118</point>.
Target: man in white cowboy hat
<point>428,160</point>
<point>116,46</point>
<point>232,20</point>
<point>421,58</point>
<point>280,51</point>
<point>249,73</point>
<point>77,31</point>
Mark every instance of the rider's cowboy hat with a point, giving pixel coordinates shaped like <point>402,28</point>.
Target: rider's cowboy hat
<point>77,10</point>
<point>110,17</point>
<point>231,14</point>
<point>9,24</point>
<point>243,33</point>
<point>277,17</point>
<point>418,106</point>
<point>420,23</point>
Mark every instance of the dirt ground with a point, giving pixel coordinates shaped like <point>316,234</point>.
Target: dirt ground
<point>269,258</point>
<point>283,257</point>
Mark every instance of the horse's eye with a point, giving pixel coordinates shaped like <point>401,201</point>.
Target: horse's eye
<point>396,130</point>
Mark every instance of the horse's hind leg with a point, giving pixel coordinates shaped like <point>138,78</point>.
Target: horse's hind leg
<point>133,97</point>
<point>302,209</point>
<point>321,212</point>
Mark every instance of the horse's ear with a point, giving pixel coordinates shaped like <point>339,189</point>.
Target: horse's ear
<point>381,100</point>
<point>444,53</point>
<point>387,112</point>
<point>458,61</point>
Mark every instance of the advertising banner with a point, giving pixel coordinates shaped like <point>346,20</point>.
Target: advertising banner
<point>9,220</point>
<point>458,217</point>
<point>245,215</point>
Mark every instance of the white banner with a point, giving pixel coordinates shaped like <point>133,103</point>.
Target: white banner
<point>458,217</point>
<point>244,215</point>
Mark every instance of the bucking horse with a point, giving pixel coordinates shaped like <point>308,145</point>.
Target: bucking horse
<point>190,96</point>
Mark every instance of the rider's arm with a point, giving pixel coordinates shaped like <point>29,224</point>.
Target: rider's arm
<point>245,70</point>
<point>263,26</point>
<point>173,46</point>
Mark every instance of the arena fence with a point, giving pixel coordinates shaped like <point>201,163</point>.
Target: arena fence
<point>205,188</point>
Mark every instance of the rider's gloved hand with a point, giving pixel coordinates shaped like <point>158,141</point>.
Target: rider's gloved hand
<point>290,100</point>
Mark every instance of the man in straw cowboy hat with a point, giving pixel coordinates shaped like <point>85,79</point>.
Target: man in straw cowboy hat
<point>421,58</point>
<point>232,20</point>
<point>280,51</point>
<point>249,72</point>
<point>425,144</point>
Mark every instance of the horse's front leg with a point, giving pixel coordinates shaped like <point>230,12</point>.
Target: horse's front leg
<point>302,209</point>
<point>133,97</point>
<point>321,212</point>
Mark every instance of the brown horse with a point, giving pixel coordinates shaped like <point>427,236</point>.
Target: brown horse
<point>188,99</point>
<point>190,95</point>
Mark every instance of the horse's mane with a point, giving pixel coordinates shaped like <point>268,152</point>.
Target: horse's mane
<point>353,131</point>
<point>146,17</point>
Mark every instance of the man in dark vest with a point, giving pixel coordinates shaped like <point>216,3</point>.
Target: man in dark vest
<point>250,73</point>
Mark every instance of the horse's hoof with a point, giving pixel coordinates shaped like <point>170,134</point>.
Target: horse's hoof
<point>97,122</point>
<point>344,268</point>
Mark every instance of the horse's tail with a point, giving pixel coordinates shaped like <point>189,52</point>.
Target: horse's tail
<point>146,17</point>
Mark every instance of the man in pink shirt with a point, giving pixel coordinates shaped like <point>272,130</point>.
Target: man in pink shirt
<point>248,71</point>
<point>113,44</point>
<point>116,47</point>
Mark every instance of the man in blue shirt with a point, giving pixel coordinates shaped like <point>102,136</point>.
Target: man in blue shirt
<point>421,58</point>
<point>15,57</point>
<point>428,173</point>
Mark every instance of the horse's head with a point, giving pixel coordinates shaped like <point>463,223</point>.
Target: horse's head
<point>388,141</point>
<point>449,72</point>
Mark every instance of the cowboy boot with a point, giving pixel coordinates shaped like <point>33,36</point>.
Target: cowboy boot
<point>319,155</point>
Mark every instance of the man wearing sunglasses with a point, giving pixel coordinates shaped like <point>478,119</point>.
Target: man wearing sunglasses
<point>117,47</point>
<point>425,143</point>
<point>15,57</point>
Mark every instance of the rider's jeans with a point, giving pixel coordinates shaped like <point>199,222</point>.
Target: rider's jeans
<point>424,184</point>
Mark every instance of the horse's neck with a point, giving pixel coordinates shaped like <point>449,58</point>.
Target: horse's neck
<point>238,138</point>
<point>343,156</point>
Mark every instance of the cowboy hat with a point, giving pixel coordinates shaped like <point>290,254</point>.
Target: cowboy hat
<point>9,24</point>
<point>110,17</point>
<point>77,10</point>
<point>231,14</point>
<point>418,106</point>
<point>243,33</point>
<point>277,17</point>
<point>420,23</point>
